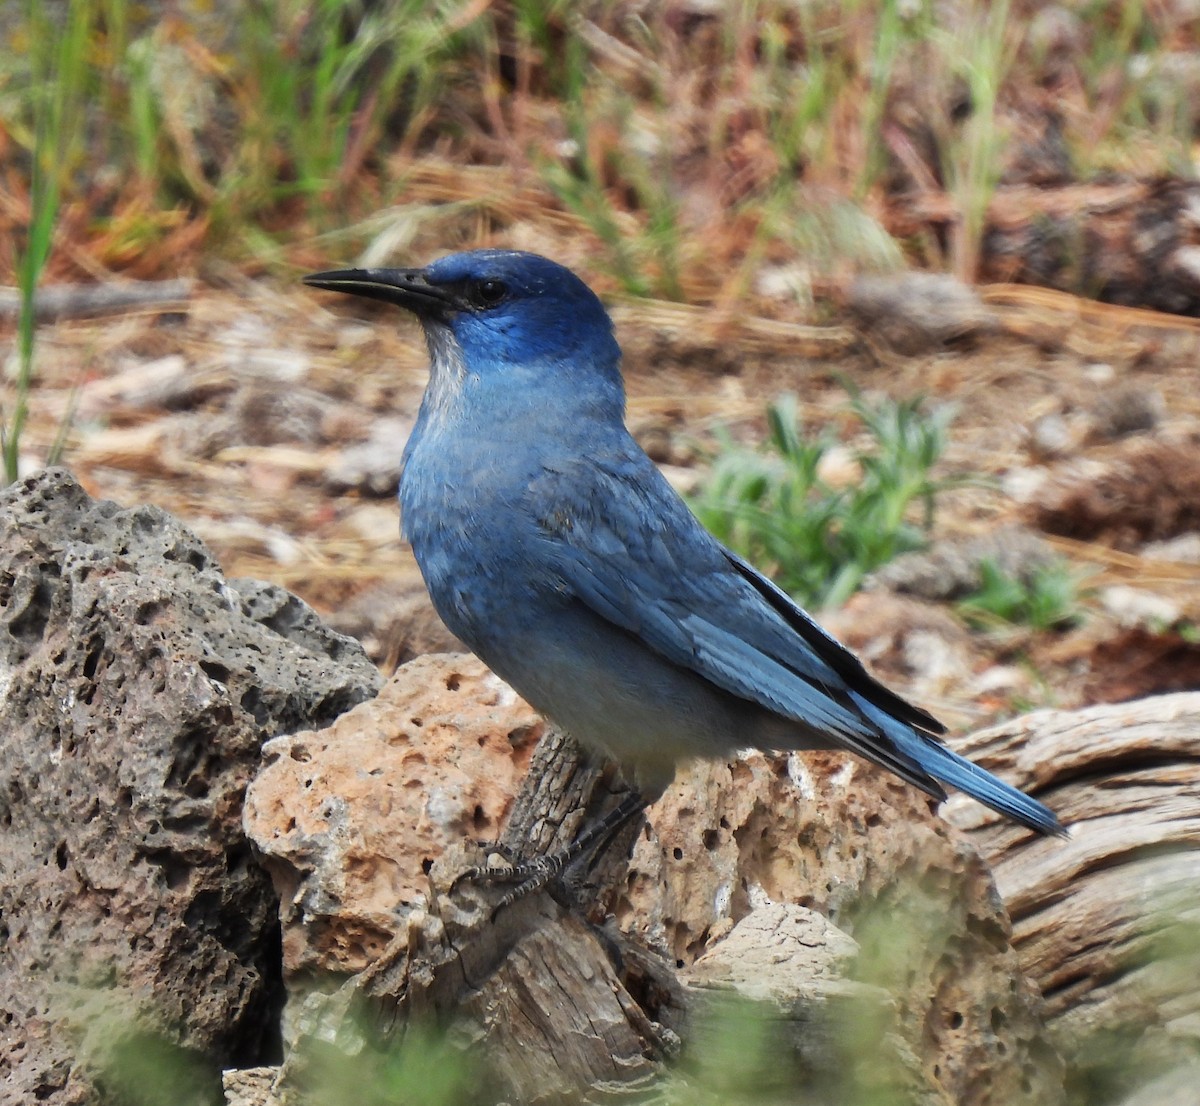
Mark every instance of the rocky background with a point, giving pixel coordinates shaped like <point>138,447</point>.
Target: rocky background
<point>163,922</point>
<point>228,848</point>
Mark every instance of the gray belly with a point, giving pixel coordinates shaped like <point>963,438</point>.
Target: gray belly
<point>621,699</point>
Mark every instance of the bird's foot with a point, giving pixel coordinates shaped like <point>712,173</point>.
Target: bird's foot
<point>528,876</point>
<point>535,873</point>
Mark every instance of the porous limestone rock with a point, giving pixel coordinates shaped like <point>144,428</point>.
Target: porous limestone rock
<point>137,686</point>
<point>834,834</point>
<point>834,1038</point>
<point>349,827</point>
<point>350,819</point>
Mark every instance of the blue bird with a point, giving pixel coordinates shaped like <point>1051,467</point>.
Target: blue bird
<point>552,545</point>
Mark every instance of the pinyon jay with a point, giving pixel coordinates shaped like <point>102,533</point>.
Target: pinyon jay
<point>552,546</point>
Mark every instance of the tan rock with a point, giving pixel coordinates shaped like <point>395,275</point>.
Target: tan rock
<point>247,1086</point>
<point>349,819</point>
<point>776,951</point>
<point>792,963</point>
<point>865,850</point>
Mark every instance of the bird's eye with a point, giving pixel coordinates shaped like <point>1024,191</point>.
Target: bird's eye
<point>488,293</point>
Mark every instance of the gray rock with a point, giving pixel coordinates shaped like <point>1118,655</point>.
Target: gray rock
<point>136,688</point>
<point>954,567</point>
<point>915,312</point>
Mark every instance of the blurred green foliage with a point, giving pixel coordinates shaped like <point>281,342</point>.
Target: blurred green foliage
<point>1047,598</point>
<point>818,540</point>
<point>673,137</point>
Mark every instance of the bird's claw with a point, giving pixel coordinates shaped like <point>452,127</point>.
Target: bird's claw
<point>528,875</point>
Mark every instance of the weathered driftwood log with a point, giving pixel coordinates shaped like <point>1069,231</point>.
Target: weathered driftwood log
<point>73,301</point>
<point>562,995</point>
<point>1107,924</point>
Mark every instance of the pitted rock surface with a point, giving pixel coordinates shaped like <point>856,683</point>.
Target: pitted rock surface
<point>137,686</point>
<point>349,821</point>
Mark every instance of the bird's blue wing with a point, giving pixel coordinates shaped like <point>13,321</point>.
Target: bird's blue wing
<point>621,541</point>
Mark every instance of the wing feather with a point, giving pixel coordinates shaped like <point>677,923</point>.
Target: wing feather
<point>659,575</point>
<point>622,542</point>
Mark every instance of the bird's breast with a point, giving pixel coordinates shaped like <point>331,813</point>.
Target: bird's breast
<point>470,535</point>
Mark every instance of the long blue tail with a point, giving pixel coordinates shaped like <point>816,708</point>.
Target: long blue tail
<point>948,767</point>
<point>936,760</point>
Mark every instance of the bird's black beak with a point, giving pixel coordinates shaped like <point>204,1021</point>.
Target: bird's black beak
<point>407,288</point>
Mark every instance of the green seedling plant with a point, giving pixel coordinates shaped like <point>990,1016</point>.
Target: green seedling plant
<point>1188,631</point>
<point>58,50</point>
<point>274,110</point>
<point>981,53</point>
<point>1049,597</point>
<point>896,24</point>
<point>636,248</point>
<point>323,89</point>
<point>627,189</point>
<point>136,1061</point>
<point>819,541</point>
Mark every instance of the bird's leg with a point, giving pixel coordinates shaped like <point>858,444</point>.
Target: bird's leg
<point>534,873</point>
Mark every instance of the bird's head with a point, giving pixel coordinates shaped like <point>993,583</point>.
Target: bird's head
<point>501,316</point>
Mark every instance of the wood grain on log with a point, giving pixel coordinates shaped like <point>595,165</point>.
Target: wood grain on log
<point>1106,922</point>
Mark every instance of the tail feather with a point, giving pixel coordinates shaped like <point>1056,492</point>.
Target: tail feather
<point>945,765</point>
